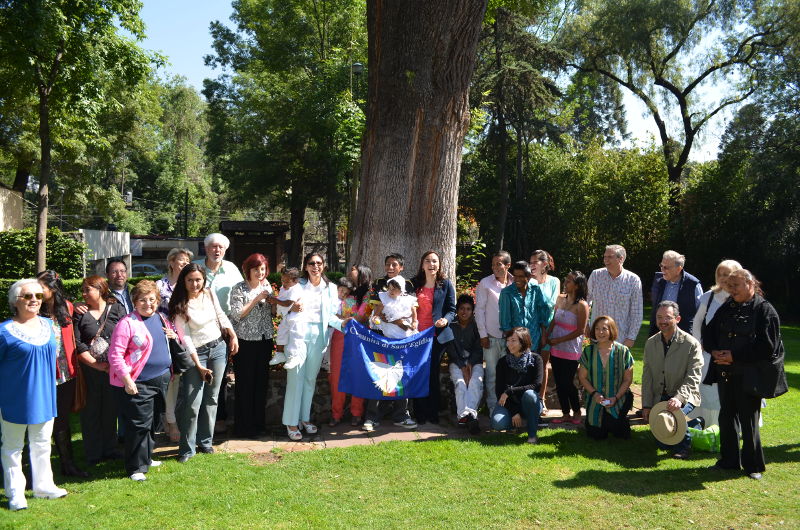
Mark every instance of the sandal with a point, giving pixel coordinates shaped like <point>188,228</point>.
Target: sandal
<point>310,428</point>
<point>294,436</point>
<point>576,420</point>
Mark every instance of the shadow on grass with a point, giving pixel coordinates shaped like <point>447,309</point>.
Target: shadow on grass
<point>638,452</point>
<point>642,483</point>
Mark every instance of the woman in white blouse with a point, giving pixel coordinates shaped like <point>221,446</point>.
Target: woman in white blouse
<point>200,322</point>
<point>709,303</point>
<point>317,308</point>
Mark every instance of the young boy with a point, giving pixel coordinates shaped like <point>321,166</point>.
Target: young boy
<point>376,409</point>
<point>290,292</point>
<point>397,310</point>
<point>466,363</point>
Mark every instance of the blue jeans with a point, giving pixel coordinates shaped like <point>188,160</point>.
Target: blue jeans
<point>531,409</point>
<point>686,443</point>
<point>196,411</point>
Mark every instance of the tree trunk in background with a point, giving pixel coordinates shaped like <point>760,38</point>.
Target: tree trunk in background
<point>421,59</point>
<point>21,175</point>
<point>332,257</point>
<point>44,180</point>
<point>297,219</point>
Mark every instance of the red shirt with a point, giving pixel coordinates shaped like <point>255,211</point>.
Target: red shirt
<point>425,310</point>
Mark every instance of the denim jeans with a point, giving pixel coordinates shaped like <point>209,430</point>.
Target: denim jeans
<point>531,409</point>
<point>196,411</point>
<point>686,443</point>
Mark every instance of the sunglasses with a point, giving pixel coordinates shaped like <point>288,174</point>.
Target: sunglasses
<point>31,296</point>
<point>315,263</point>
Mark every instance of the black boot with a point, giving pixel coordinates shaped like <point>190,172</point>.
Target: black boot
<point>64,447</point>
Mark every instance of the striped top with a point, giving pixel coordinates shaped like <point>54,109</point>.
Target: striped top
<point>605,381</point>
<point>620,298</point>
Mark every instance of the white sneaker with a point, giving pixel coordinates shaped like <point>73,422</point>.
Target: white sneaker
<point>55,493</point>
<point>278,358</point>
<point>18,503</point>
<point>370,425</point>
<point>155,463</point>
<point>138,477</point>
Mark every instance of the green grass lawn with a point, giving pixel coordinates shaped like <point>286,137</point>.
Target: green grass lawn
<point>493,481</point>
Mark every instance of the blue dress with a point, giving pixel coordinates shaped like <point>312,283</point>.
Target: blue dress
<point>27,373</point>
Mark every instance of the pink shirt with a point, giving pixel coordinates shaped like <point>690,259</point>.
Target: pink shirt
<point>129,349</point>
<point>487,306</point>
<point>425,312</point>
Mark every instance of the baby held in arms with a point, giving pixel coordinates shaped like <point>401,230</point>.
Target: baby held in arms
<point>397,310</point>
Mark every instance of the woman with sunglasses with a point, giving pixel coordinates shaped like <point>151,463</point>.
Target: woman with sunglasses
<point>317,308</point>
<point>27,394</point>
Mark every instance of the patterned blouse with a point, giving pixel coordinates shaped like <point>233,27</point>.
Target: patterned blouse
<point>257,325</point>
<point>605,380</point>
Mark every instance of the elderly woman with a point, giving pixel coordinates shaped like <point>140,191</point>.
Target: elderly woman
<point>437,308</point>
<point>177,259</point>
<point>27,394</point>
<point>519,376</point>
<point>139,369</point>
<point>59,310</point>
<point>709,303</point>
<point>745,330</point>
<point>606,373</point>
<point>318,307</point>
<point>200,322</point>
<point>93,331</point>
<point>251,316</point>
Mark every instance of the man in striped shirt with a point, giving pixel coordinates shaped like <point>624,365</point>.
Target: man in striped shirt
<point>617,292</point>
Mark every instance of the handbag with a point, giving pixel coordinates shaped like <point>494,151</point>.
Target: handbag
<point>181,358</point>
<point>98,347</point>
<point>79,401</point>
<point>766,379</point>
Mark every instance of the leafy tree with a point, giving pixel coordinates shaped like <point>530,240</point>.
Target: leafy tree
<point>64,254</point>
<point>60,52</point>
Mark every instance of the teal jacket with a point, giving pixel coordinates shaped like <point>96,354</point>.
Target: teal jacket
<point>533,312</point>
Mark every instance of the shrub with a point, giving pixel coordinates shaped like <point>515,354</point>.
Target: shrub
<point>18,248</point>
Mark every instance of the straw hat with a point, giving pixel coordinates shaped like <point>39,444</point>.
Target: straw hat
<point>669,427</point>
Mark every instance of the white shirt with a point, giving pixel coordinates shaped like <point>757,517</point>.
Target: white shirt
<point>312,301</point>
<point>487,306</point>
<point>202,326</point>
<point>222,281</point>
<point>293,293</point>
<point>620,298</point>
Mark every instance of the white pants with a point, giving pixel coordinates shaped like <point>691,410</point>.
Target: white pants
<point>39,443</point>
<point>468,396</point>
<point>492,354</point>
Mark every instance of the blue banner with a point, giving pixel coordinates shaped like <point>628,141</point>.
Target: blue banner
<point>374,367</point>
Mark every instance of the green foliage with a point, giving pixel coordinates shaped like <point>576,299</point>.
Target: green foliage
<point>470,265</point>
<point>64,254</point>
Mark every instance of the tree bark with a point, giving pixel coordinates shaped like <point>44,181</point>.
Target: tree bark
<point>297,219</point>
<point>501,133</point>
<point>44,180</point>
<point>421,59</point>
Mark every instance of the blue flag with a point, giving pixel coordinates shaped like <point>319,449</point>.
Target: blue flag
<point>374,367</point>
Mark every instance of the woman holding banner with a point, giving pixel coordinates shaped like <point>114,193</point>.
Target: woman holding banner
<point>317,308</point>
<point>437,307</point>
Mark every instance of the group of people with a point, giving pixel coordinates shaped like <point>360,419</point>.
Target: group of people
<point>118,341</point>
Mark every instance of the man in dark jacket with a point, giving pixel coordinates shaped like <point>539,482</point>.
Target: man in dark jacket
<point>675,284</point>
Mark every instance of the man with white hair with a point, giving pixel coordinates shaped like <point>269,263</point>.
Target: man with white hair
<point>221,275</point>
<point>676,285</point>
<point>617,292</point>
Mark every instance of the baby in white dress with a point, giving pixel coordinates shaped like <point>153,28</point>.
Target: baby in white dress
<point>397,310</point>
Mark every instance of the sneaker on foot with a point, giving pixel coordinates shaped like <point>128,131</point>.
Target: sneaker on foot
<point>138,477</point>
<point>278,358</point>
<point>54,493</point>
<point>533,440</point>
<point>473,426</point>
<point>464,419</point>
<point>155,463</point>
<point>370,425</point>
<point>407,423</point>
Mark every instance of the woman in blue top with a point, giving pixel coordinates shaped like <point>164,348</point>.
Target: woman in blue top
<point>27,394</point>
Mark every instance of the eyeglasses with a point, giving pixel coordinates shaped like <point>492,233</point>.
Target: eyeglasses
<point>31,296</point>
<point>314,264</point>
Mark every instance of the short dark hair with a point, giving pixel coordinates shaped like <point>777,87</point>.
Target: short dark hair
<point>504,256</point>
<point>669,303</point>
<point>291,272</point>
<point>465,299</point>
<point>521,266</point>
<point>115,260</point>
<point>613,330</point>
<point>395,256</point>
<point>524,337</point>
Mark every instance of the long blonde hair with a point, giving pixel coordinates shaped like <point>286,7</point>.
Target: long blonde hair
<point>731,265</point>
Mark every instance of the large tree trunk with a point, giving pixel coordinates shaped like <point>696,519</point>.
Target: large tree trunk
<point>44,180</point>
<point>297,219</point>
<point>22,174</point>
<point>421,59</point>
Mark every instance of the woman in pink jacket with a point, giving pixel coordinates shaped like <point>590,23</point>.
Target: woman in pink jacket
<point>139,370</point>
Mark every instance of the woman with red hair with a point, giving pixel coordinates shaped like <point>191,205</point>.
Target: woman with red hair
<point>251,316</point>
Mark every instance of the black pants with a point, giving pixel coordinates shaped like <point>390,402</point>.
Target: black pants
<point>427,408</point>
<point>619,427</point>
<point>65,397</point>
<point>737,408</point>
<point>564,374</point>
<point>250,391</point>
<point>378,408</point>
<point>139,413</point>
<point>99,416</point>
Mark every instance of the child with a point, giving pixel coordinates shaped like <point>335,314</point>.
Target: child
<point>290,292</point>
<point>397,310</point>
<point>347,298</point>
<point>466,363</point>
<point>336,350</point>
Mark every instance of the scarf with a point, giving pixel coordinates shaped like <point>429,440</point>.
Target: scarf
<point>522,363</point>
